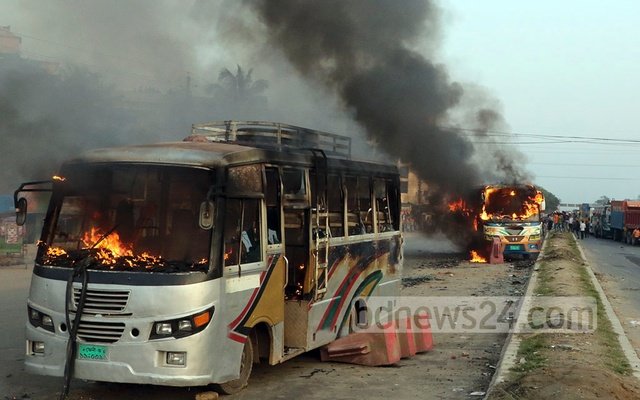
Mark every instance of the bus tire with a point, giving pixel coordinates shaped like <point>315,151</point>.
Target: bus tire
<point>246,365</point>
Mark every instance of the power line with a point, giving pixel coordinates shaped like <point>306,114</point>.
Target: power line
<point>586,165</point>
<point>588,178</point>
<point>536,135</point>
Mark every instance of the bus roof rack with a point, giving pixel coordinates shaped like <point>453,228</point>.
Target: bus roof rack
<point>271,135</point>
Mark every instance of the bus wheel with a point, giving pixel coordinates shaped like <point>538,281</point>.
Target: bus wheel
<point>246,365</point>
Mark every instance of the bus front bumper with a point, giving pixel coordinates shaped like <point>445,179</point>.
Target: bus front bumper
<point>521,248</point>
<point>143,363</point>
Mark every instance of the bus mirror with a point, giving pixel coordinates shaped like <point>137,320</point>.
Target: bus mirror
<point>543,205</point>
<point>21,211</point>
<point>206,215</point>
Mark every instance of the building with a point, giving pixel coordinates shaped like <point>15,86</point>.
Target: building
<point>11,49</point>
<point>9,43</point>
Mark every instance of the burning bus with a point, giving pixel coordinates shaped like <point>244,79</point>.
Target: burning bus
<point>512,213</point>
<point>185,263</point>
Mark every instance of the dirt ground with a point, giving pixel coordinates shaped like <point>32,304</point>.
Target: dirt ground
<point>461,364</point>
<point>569,366</point>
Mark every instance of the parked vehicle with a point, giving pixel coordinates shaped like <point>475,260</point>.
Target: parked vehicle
<point>625,219</point>
<point>185,263</point>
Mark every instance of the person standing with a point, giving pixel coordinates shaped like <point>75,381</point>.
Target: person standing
<point>583,227</point>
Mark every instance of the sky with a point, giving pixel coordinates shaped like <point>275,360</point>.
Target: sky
<point>558,71</point>
<point>565,68</point>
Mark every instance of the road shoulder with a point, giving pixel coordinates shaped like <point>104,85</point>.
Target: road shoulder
<point>586,361</point>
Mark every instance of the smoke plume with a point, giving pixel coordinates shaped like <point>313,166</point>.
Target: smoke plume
<point>365,52</point>
<point>372,62</point>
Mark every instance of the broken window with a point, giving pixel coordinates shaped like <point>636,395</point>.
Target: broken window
<point>245,179</point>
<point>365,204</point>
<point>336,206</point>
<point>294,183</point>
<point>381,194</point>
<point>272,198</point>
<point>130,217</point>
<point>242,232</point>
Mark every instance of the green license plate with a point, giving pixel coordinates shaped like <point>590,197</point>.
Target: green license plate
<point>514,247</point>
<point>93,352</point>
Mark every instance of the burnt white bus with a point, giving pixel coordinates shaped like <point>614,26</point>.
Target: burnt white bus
<point>185,263</point>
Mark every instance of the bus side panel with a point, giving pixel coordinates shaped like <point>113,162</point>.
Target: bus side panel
<point>253,297</point>
<point>370,268</point>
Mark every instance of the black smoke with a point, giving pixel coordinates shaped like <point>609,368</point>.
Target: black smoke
<point>47,118</point>
<point>367,52</point>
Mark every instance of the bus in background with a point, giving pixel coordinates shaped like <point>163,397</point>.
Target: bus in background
<point>512,213</point>
<point>185,263</point>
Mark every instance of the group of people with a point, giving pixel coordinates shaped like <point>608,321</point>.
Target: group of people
<point>568,222</point>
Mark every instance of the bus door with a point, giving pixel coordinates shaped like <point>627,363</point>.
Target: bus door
<point>296,209</point>
<point>254,267</point>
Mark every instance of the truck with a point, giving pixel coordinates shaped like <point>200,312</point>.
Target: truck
<point>600,219</point>
<point>625,220</point>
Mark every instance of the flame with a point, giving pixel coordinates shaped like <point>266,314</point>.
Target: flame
<point>457,205</point>
<point>530,205</point>
<point>111,244</point>
<point>56,252</point>
<point>476,258</point>
<point>58,178</point>
<point>112,250</point>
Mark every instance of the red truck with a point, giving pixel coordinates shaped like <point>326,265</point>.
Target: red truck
<point>625,220</point>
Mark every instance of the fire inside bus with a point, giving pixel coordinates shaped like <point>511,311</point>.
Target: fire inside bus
<point>512,213</point>
<point>184,263</point>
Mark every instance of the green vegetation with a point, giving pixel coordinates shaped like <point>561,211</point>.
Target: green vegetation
<point>543,287</point>
<point>614,359</point>
<point>531,351</point>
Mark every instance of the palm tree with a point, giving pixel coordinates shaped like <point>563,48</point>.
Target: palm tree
<point>240,89</point>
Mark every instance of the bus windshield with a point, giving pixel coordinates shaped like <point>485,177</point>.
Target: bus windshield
<point>511,204</point>
<point>129,218</point>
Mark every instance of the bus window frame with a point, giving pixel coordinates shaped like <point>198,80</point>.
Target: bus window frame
<point>274,247</point>
<point>241,268</point>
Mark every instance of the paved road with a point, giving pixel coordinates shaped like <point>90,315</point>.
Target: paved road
<point>617,266</point>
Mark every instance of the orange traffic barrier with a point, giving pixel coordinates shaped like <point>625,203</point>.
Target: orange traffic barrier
<point>406,337</point>
<point>422,333</point>
<point>365,348</point>
<point>496,256</point>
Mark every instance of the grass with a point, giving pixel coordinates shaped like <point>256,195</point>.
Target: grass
<point>543,287</point>
<point>531,349</point>
<point>534,348</point>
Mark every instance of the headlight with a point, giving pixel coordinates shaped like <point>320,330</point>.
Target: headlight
<point>181,327</point>
<point>534,237</point>
<point>40,320</point>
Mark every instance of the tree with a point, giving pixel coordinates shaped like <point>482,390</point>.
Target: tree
<point>240,89</point>
<point>603,200</point>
